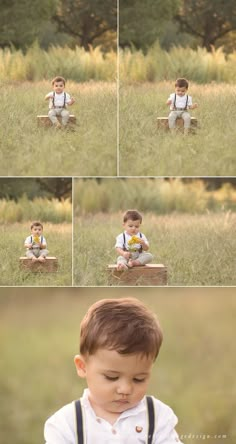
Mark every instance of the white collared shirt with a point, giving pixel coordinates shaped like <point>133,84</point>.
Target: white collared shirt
<point>180,101</point>
<point>58,99</point>
<point>120,241</point>
<point>60,428</point>
<point>29,239</point>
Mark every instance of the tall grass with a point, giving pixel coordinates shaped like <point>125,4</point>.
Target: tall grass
<point>155,195</point>
<point>156,65</point>
<point>146,150</point>
<point>197,249</point>
<point>74,64</point>
<point>59,244</point>
<point>29,150</point>
<point>42,209</point>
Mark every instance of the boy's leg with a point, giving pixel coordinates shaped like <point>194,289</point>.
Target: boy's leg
<point>30,255</point>
<point>187,121</point>
<point>121,263</point>
<point>142,259</point>
<point>65,117</point>
<point>52,114</point>
<point>42,255</point>
<point>172,119</point>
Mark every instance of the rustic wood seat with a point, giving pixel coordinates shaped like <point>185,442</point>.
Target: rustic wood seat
<point>150,274</point>
<point>49,266</point>
<point>43,120</point>
<point>162,123</point>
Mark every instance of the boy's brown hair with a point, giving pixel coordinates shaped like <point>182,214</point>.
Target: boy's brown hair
<point>125,325</point>
<point>132,215</point>
<point>58,79</point>
<point>181,83</point>
<point>36,224</point>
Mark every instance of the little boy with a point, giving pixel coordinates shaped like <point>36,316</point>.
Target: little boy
<point>58,101</point>
<point>131,245</point>
<point>35,244</point>
<point>119,342</point>
<point>180,103</point>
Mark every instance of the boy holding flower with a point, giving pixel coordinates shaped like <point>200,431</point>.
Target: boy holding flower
<point>35,244</point>
<point>132,245</point>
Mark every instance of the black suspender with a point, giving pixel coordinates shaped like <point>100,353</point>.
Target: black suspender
<point>53,100</point>
<point>79,422</point>
<point>186,104</point>
<point>150,412</point>
<point>151,418</point>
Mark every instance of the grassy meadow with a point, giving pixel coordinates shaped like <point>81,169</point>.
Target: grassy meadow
<point>147,151</point>
<point>198,249</point>
<point>59,242</point>
<point>194,373</point>
<point>29,150</point>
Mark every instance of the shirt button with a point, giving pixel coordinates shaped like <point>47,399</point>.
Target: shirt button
<point>99,420</point>
<point>114,431</point>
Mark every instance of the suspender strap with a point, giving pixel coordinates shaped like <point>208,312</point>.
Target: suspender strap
<point>151,418</point>
<point>186,102</point>
<point>124,247</point>
<point>175,101</point>
<point>53,100</point>
<point>79,422</point>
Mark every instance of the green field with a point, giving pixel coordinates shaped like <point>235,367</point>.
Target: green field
<point>27,150</point>
<point>146,151</point>
<point>194,373</point>
<point>59,242</point>
<point>197,249</point>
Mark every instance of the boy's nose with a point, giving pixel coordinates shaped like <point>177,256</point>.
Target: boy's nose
<point>124,388</point>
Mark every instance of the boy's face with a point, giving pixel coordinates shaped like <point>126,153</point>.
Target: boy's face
<point>116,382</point>
<point>36,231</point>
<point>180,91</point>
<point>132,226</point>
<point>58,87</point>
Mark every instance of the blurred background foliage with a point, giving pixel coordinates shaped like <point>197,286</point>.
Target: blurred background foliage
<point>194,373</point>
<point>46,199</point>
<point>160,196</point>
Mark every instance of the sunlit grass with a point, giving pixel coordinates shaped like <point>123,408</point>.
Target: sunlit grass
<point>29,150</point>
<point>59,243</point>
<point>147,151</point>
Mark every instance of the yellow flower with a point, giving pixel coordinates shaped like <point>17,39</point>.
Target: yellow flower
<point>134,240</point>
<point>36,239</point>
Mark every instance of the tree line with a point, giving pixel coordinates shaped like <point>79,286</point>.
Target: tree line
<point>89,23</point>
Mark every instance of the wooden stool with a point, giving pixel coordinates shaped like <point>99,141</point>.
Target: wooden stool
<point>49,266</point>
<point>162,123</point>
<point>150,274</point>
<point>44,120</point>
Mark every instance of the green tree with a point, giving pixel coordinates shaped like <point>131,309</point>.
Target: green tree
<point>206,19</point>
<point>86,20</point>
<point>142,22</point>
<point>20,21</point>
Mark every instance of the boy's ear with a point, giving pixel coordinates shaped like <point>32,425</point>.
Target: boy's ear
<point>80,366</point>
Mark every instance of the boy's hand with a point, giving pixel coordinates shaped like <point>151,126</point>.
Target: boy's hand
<point>126,255</point>
<point>72,100</point>
<point>193,106</point>
<point>28,245</point>
<point>169,102</point>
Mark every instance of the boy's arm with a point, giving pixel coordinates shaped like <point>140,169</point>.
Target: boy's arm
<point>125,254</point>
<point>145,246</point>
<point>48,96</point>
<point>28,245</point>
<point>193,106</point>
<point>72,100</point>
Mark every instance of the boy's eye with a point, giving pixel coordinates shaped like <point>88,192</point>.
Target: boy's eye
<point>111,378</point>
<point>137,380</point>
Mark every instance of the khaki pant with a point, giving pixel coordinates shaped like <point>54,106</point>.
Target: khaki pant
<point>36,252</point>
<point>54,112</point>
<point>143,258</point>
<point>185,116</point>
